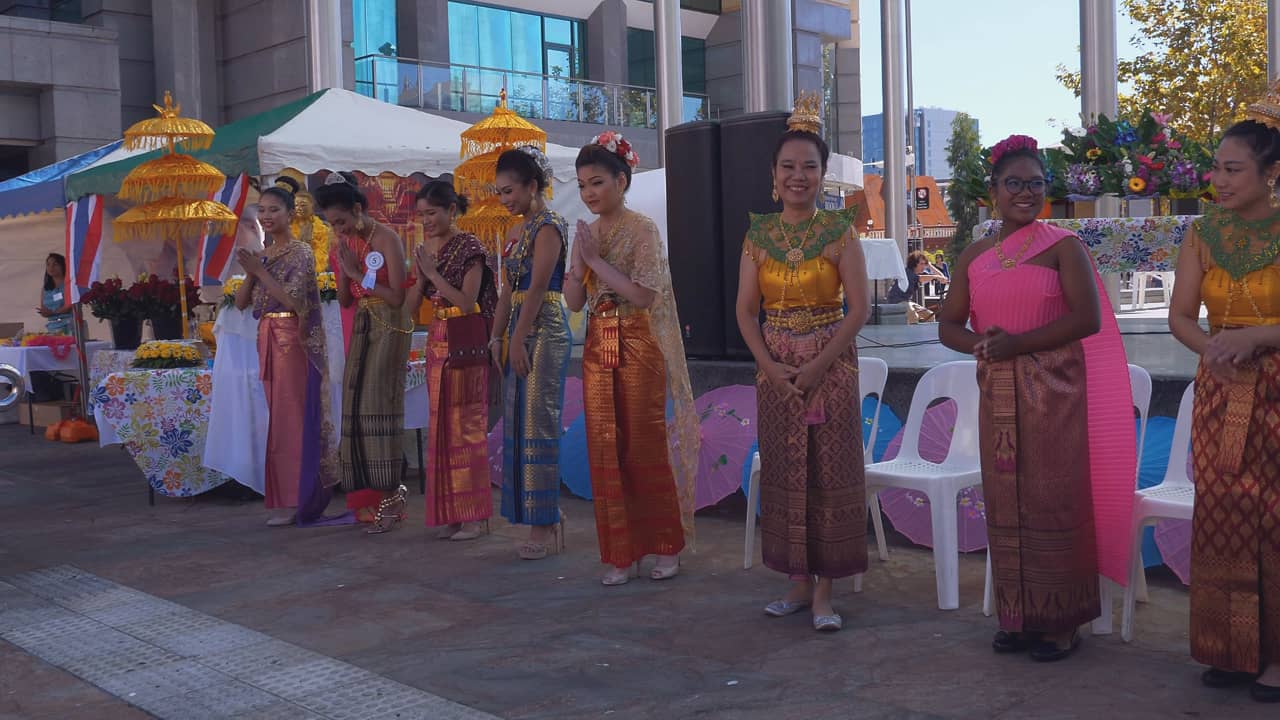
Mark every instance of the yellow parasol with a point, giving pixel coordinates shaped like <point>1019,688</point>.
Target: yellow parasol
<point>168,130</point>
<point>502,130</point>
<point>489,221</point>
<point>171,175</point>
<point>175,218</point>
<point>474,177</point>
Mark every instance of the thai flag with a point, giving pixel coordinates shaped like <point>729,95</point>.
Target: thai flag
<point>84,243</point>
<point>216,250</point>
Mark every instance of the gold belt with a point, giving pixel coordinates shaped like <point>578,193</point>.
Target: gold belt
<point>453,312</point>
<point>279,315</point>
<point>803,321</point>
<point>610,310</point>
<point>518,296</point>
<point>368,300</point>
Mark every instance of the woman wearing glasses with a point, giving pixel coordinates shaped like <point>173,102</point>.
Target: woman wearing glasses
<point>1054,392</point>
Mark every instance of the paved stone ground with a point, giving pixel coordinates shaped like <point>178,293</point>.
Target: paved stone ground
<point>471,624</point>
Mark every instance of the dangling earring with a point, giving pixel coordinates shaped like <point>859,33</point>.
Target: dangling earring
<point>360,223</point>
<point>995,210</point>
<point>775,193</point>
<point>1271,188</point>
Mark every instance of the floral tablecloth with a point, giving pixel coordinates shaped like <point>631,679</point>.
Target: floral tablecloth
<point>161,417</point>
<point>104,363</point>
<point>1119,245</point>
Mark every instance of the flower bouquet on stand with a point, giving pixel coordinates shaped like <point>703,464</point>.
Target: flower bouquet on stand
<point>163,304</point>
<point>109,300</point>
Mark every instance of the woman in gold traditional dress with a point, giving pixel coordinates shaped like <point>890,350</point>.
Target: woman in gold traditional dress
<point>804,265</point>
<point>371,274</point>
<point>1228,263</point>
<point>641,479</point>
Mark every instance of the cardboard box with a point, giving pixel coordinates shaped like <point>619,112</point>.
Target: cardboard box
<point>47,414</point>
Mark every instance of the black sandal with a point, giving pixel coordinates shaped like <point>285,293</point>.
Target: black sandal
<point>1216,678</point>
<point>1045,651</point>
<point>1006,641</point>
<point>1264,693</point>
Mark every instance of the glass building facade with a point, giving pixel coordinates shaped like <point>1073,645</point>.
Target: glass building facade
<point>517,48</point>
<point>374,26</point>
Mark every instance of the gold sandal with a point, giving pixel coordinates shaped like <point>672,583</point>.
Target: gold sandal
<point>390,512</point>
<point>529,550</point>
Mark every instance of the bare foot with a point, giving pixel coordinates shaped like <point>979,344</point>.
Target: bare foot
<point>822,597</point>
<point>801,592</point>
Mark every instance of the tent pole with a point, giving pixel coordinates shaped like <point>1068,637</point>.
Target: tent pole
<point>182,291</point>
<point>82,361</point>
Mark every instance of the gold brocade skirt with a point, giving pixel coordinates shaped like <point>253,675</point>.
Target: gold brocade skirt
<point>457,454</point>
<point>625,392</point>
<point>373,399</point>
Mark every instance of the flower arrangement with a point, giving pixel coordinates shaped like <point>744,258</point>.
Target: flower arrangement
<point>1123,157</point>
<point>328,284</point>
<point>618,145</point>
<point>109,300</point>
<point>59,345</point>
<point>162,354</point>
<point>230,288</point>
<point>162,298</point>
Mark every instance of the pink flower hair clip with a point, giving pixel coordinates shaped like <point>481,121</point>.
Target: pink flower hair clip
<point>618,145</point>
<point>1010,144</point>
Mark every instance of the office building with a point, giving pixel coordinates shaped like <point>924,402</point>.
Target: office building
<point>932,132</point>
<point>73,73</point>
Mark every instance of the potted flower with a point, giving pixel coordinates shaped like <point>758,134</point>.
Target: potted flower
<point>108,300</point>
<point>161,300</point>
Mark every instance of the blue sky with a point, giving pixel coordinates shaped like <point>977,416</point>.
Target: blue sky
<point>993,59</point>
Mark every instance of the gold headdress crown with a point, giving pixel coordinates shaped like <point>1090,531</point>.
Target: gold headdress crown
<point>1267,110</point>
<point>807,114</point>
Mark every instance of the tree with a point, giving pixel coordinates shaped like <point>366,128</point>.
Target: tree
<point>963,149</point>
<point>1204,61</point>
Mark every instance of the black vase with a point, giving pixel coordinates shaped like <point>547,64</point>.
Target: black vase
<point>126,333</point>
<point>167,327</point>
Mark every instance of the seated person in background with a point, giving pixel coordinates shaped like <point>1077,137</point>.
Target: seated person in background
<point>919,269</point>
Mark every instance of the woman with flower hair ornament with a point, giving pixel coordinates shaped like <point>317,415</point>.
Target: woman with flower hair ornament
<point>1229,264</point>
<point>1055,413</point>
<point>642,467</point>
<point>803,265</point>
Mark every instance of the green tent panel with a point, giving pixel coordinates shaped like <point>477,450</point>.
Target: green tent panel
<point>234,150</point>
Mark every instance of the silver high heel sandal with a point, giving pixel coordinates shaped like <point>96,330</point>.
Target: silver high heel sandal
<point>620,576</point>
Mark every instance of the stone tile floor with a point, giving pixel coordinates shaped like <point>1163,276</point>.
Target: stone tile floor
<point>224,617</point>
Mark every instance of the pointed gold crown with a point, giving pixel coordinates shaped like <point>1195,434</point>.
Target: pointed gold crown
<point>1267,110</point>
<point>807,114</point>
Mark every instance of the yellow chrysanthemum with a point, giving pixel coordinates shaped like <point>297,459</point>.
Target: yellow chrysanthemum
<point>1137,184</point>
<point>1093,154</point>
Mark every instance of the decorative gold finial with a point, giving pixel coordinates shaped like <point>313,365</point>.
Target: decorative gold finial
<point>502,97</point>
<point>169,110</point>
<point>1267,110</point>
<point>807,114</point>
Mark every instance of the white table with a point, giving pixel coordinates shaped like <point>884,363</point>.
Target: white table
<point>884,262</point>
<point>37,358</point>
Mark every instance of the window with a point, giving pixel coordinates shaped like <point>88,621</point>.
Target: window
<point>642,67</point>
<point>507,47</point>
<point>374,25</point>
<point>706,6</point>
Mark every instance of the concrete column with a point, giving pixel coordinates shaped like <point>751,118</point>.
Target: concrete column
<point>1273,40</point>
<point>1098,91</point>
<point>131,21</point>
<point>895,115</point>
<point>670,72</point>
<point>849,89</point>
<point>324,44</point>
<point>422,29</point>
<point>607,43</point>
<point>767,55</point>
<point>185,61</point>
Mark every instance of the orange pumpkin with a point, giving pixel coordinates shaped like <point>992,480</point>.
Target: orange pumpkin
<point>78,430</point>
<point>54,431</point>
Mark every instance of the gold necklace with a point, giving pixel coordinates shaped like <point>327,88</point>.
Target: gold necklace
<point>795,250</point>
<point>1010,263</point>
<point>588,277</point>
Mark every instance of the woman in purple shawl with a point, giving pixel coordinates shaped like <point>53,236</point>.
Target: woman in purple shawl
<point>302,458</point>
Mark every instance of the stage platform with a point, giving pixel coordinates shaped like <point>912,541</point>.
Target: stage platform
<point>910,350</point>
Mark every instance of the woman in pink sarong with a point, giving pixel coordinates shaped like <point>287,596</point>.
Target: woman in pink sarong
<point>1056,414</point>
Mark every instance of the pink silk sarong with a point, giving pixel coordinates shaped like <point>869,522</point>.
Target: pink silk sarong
<point>1023,298</point>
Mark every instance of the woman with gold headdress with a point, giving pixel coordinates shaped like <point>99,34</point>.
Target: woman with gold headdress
<point>1229,263</point>
<point>642,469</point>
<point>306,226</point>
<point>532,326</point>
<point>805,265</point>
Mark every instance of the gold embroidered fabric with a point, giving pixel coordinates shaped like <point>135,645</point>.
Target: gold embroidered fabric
<point>636,251</point>
<point>1250,300</point>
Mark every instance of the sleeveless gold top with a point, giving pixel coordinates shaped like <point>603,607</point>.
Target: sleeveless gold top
<point>793,272</point>
<point>1241,283</point>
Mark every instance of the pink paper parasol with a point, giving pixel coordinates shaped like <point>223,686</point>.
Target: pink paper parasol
<point>909,511</point>
<point>1173,537</point>
<point>727,423</point>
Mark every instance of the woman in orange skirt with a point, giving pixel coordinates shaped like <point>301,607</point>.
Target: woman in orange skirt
<point>642,470</point>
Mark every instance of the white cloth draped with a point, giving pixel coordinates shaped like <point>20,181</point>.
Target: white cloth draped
<point>236,444</point>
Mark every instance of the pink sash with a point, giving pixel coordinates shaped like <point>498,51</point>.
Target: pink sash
<point>1112,442</point>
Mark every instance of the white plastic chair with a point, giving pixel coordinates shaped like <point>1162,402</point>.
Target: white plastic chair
<point>1140,280</point>
<point>940,482</point>
<point>1140,384</point>
<point>1173,499</point>
<point>873,374</point>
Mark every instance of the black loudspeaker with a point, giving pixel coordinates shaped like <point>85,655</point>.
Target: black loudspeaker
<point>695,242</point>
<point>746,154</point>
